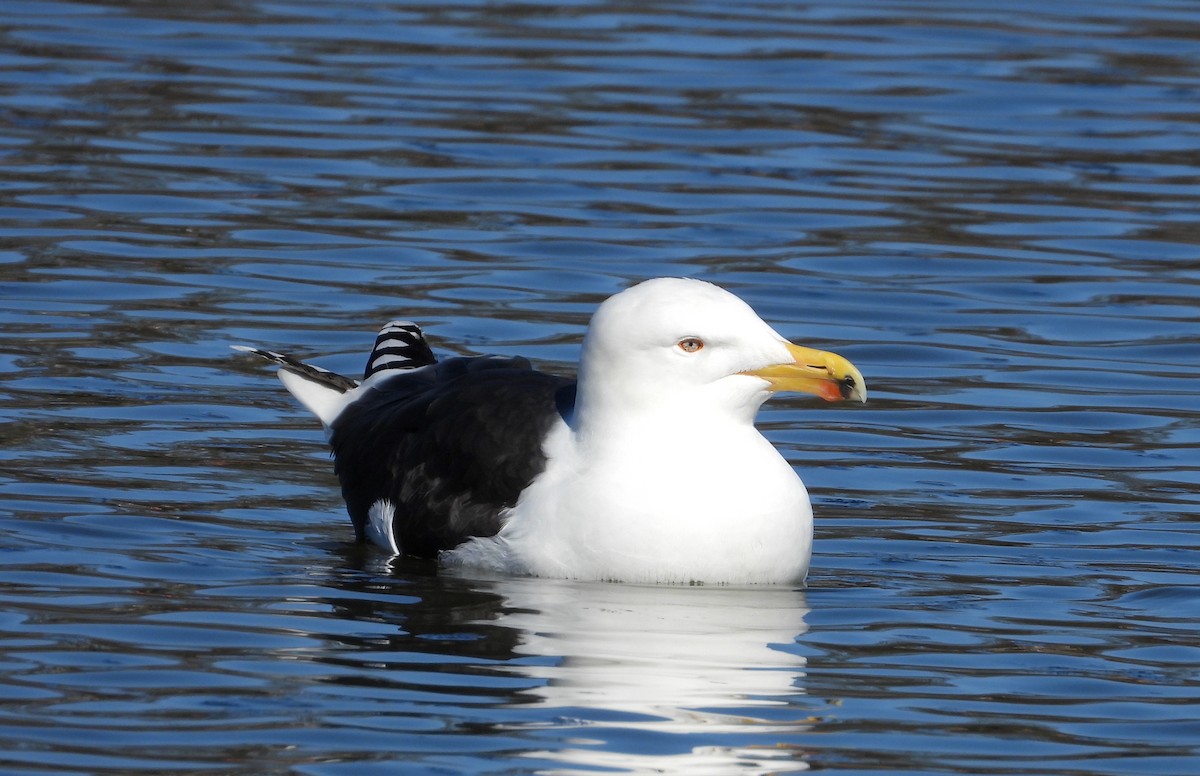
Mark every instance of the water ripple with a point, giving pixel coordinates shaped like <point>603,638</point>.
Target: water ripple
<point>990,210</point>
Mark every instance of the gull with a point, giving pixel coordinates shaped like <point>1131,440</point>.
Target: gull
<point>647,468</point>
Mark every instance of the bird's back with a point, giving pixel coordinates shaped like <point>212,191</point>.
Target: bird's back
<point>449,445</point>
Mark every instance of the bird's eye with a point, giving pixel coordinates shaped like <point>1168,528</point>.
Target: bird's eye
<point>690,344</point>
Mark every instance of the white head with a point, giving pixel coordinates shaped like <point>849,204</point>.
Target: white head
<point>676,343</point>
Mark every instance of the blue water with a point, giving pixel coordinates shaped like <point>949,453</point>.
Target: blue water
<point>991,210</point>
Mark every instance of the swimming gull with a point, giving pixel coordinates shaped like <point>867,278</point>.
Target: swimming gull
<point>646,469</point>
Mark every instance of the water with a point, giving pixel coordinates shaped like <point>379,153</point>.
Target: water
<point>991,210</point>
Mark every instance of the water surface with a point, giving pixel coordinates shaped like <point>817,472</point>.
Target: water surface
<point>991,210</point>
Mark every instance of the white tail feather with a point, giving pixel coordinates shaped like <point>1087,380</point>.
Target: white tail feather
<point>321,400</point>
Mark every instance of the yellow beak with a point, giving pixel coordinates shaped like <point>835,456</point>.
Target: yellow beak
<point>818,372</point>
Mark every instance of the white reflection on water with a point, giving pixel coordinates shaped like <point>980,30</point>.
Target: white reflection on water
<point>658,660</point>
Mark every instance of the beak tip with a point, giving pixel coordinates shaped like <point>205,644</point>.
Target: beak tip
<point>854,387</point>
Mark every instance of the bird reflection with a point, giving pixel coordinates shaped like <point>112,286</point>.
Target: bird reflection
<point>693,662</point>
<point>670,679</point>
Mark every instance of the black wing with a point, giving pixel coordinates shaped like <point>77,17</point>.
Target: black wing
<point>450,445</point>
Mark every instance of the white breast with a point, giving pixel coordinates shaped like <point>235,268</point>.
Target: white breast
<point>722,507</point>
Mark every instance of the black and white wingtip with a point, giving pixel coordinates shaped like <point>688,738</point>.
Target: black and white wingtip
<point>324,393</point>
<point>400,346</point>
<point>308,371</point>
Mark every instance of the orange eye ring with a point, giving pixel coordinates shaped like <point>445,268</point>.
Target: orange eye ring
<point>690,344</point>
